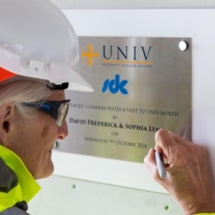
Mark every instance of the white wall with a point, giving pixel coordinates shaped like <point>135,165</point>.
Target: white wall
<point>133,4</point>
<point>67,196</point>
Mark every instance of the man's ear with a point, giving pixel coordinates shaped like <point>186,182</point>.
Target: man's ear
<point>6,119</point>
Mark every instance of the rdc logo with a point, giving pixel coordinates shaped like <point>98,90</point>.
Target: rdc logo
<point>115,85</point>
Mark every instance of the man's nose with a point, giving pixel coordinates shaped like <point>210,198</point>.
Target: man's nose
<point>63,131</point>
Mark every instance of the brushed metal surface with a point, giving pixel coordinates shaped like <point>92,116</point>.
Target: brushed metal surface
<point>141,85</point>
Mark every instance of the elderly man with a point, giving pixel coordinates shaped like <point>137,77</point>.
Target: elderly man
<point>38,61</point>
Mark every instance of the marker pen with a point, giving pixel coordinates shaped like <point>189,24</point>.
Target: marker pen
<point>160,164</point>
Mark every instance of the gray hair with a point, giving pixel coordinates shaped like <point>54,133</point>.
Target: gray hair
<point>23,90</point>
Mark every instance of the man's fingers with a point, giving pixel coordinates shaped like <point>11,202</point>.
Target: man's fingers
<point>177,138</point>
<point>164,140</point>
<point>150,163</point>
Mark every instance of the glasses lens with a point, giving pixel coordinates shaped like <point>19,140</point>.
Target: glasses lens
<point>62,113</point>
<point>56,109</point>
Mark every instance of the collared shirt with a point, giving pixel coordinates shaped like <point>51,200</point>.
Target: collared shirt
<point>16,182</point>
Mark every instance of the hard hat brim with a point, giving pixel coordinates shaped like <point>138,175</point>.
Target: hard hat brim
<point>11,66</point>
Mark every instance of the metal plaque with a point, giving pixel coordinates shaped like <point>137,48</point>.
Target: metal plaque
<point>141,85</point>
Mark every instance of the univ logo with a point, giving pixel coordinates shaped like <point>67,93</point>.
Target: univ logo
<point>115,85</point>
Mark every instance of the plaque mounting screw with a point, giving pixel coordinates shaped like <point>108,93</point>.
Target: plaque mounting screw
<point>183,45</point>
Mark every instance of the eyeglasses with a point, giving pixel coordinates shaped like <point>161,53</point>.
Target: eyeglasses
<point>56,109</point>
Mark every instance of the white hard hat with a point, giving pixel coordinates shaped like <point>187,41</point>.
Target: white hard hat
<point>37,41</point>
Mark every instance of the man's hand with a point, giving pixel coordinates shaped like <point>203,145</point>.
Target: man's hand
<point>189,175</point>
